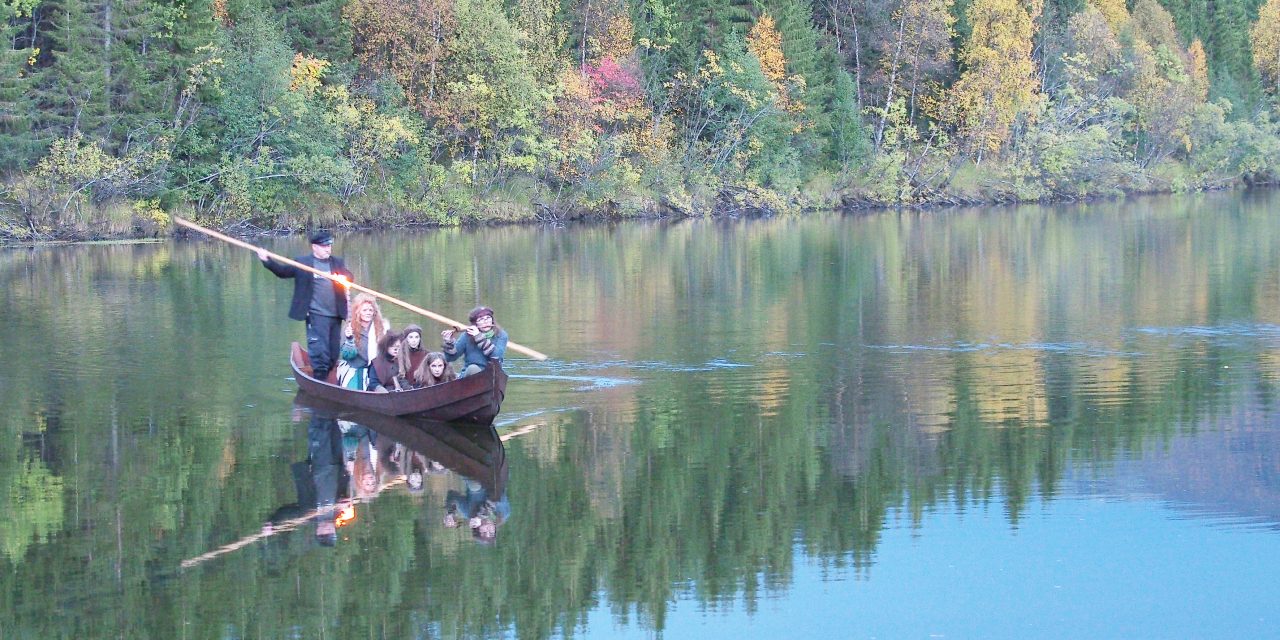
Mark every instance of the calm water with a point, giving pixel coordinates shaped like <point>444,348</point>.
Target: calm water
<point>1014,423</point>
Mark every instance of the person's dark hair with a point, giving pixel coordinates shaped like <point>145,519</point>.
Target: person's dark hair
<point>385,343</point>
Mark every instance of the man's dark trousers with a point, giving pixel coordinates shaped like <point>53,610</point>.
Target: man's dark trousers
<point>324,334</point>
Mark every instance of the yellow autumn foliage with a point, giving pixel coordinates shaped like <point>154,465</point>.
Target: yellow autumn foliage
<point>765,43</point>
<point>1199,66</point>
<point>1113,11</point>
<point>999,81</point>
<point>306,73</point>
<point>1265,38</point>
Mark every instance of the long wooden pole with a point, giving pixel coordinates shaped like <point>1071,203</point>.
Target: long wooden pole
<point>536,355</point>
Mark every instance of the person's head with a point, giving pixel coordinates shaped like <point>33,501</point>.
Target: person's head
<point>322,245</point>
<point>326,529</point>
<point>484,525</point>
<point>436,366</point>
<point>433,370</point>
<point>390,345</point>
<point>413,337</point>
<point>481,317</point>
<point>486,532</point>
<point>365,313</point>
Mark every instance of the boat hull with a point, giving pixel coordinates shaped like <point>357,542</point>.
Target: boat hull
<point>475,398</point>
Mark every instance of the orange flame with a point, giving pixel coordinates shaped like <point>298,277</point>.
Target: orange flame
<point>342,280</point>
<point>346,516</point>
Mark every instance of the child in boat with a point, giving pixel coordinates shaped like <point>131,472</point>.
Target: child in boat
<point>384,372</point>
<point>481,343</point>
<point>411,351</point>
<point>433,370</point>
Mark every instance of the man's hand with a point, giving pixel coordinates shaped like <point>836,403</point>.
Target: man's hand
<point>263,255</point>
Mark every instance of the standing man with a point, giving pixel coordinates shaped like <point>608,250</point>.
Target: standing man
<point>319,301</point>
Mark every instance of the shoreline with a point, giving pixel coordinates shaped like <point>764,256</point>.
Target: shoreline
<point>152,231</point>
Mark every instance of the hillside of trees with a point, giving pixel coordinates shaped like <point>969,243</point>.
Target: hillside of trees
<point>117,114</point>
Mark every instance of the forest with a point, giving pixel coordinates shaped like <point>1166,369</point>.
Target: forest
<point>273,114</point>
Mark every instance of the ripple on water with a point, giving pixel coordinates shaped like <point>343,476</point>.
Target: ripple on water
<point>1068,348</point>
<point>1228,330</point>
<point>586,383</point>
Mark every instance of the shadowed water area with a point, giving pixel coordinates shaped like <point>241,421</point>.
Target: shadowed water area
<point>1008,423</point>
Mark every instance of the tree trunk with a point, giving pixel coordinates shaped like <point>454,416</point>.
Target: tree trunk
<point>586,16</point>
<point>893,80</point>
<point>857,57</point>
<point>106,57</point>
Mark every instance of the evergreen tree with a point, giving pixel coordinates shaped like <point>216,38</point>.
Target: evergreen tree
<point>708,25</point>
<point>1230,58</point>
<point>316,28</point>
<point>71,92</point>
<point>20,142</point>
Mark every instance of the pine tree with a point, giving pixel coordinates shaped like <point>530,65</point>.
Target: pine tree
<point>72,94</point>
<point>317,29</point>
<point>17,136</point>
<point>1230,58</point>
<point>708,24</point>
<point>107,69</point>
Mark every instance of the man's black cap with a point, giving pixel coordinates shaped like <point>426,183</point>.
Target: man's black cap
<point>322,237</point>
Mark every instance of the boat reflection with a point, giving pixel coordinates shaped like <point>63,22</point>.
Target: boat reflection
<point>355,455</point>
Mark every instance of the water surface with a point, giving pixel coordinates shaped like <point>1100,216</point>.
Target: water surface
<point>1030,422</point>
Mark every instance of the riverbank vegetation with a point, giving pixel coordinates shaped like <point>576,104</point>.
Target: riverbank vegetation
<point>117,114</point>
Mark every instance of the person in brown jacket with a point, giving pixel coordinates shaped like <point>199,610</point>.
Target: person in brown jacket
<point>384,372</point>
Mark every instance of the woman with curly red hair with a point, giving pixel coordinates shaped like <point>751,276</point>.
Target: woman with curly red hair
<point>365,330</point>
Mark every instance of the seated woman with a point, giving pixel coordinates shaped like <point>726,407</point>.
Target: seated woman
<point>411,351</point>
<point>361,337</point>
<point>384,371</point>
<point>433,370</point>
<point>483,342</point>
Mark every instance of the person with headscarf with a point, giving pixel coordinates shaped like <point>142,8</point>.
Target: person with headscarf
<point>481,343</point>
<point>412,351</point>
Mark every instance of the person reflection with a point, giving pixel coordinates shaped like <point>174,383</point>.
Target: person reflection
<point>483,512</point>
<point>413,466</point>
<point>329,475</point>
<point>358,457</point>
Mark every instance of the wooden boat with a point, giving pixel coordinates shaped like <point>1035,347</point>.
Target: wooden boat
<point>476,398</point>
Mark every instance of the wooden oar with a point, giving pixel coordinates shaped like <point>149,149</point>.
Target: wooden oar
<point>282,527</point>
<point>536,355</point>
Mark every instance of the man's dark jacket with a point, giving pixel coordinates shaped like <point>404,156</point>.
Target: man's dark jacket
<point>302,284</point>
